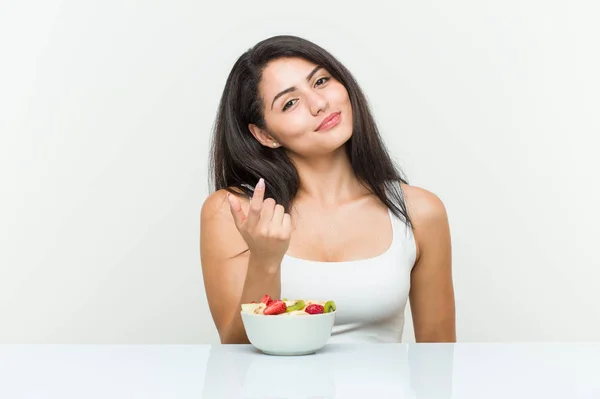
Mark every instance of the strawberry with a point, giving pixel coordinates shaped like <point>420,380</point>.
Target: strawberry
<point>315,308</point>
<point>267,300</point>
<point>276,307</point>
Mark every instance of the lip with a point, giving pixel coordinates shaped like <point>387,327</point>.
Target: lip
<point>330,121</point>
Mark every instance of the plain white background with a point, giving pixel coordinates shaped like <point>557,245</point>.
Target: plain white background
<point>106,110</point>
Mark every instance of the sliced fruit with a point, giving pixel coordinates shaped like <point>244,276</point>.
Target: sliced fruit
<point>248,307</point>
<point>329,307</point>
<point>267,300</point>
<point>256,308</point>
<point>276,307</point>
<point>298,313</point>
<point>295,305</point>
<point>315,308</point>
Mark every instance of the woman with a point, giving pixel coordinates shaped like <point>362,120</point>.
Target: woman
<point>309,205</point>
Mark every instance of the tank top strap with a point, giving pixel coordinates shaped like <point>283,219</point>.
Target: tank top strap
<point>404,239</point>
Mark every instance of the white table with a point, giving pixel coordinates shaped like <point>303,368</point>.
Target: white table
<point>473,371</point>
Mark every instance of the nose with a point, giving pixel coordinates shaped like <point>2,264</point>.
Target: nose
<point>317,102</point>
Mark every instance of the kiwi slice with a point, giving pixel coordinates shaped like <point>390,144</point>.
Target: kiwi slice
<point>329,307</point>
<point>298,305</point>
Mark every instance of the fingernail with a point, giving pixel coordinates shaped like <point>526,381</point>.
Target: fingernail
<point>261,183</point>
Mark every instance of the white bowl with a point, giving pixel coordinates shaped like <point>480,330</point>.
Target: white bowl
<point>287,335</point>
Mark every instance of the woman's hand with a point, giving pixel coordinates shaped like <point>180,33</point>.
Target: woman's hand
<point>266,229</point>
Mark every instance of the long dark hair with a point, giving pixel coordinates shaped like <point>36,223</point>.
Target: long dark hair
<point>238,160</point>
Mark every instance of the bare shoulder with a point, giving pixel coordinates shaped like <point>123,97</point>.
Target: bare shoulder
<point>425,208</point>
<point>218,235</point>
<point>429,219</point>
<point>216,206</point>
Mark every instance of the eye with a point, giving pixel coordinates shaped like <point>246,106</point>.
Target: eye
<point>288,104</point>
<point>323,80</point>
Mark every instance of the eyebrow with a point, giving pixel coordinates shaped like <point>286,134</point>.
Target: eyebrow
<point>290,89</point>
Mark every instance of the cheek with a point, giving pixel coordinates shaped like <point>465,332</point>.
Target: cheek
<point>289,127</point>
<point>340,94</point>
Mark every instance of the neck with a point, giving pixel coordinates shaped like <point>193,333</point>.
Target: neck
<point>328,180</point>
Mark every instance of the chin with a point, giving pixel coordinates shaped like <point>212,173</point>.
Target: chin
<point>342,135</point>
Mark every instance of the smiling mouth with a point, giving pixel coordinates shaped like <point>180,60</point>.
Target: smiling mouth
<point>330,121</point>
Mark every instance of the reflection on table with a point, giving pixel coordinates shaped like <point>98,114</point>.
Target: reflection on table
<point>422,371</point>
<point>338,371</point>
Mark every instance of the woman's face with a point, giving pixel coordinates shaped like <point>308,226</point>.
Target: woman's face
<point>299,98</point>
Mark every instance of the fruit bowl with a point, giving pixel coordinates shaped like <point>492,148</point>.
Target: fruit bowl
<point>288,328</point>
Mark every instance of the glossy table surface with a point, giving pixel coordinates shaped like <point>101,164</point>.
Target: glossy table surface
<point>482,371</point>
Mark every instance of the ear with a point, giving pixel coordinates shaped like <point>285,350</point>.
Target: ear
<point>262,136</point>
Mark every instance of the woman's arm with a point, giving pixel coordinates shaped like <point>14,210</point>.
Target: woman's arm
<point>432,290</point>
<point>231,276</point>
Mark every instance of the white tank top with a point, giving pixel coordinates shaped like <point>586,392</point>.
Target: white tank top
<point>370,294</point>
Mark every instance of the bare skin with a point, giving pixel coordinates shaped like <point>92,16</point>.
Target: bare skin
<point>334,218</point>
